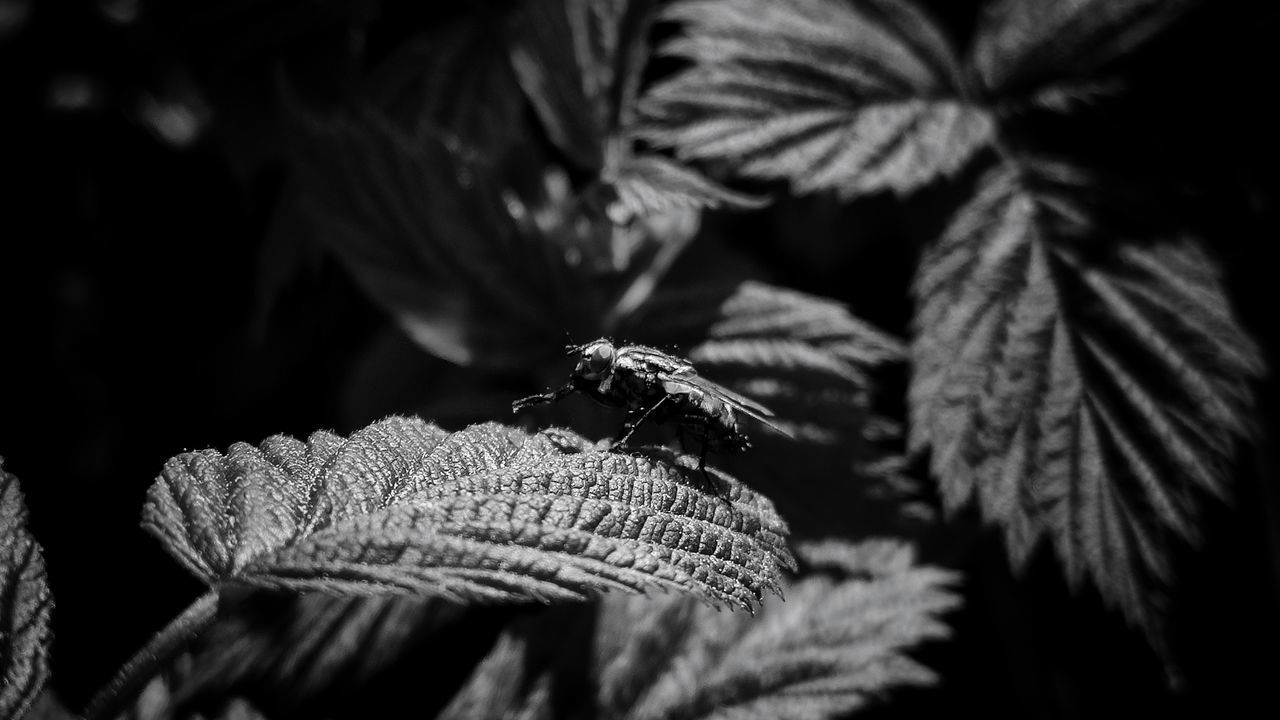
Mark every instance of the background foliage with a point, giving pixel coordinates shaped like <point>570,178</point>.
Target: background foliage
<point>1001,266</point>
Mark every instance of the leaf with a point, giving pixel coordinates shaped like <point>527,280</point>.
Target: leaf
<point>855,97</point>
<point>838,642</point>
<point>810,361</point>
<point>579,63</point>
<point>307,648</point>
<point>653,185</point>
<point>25,606</point>
<point>489,514</point>
<point>454,82</point>
<point>1081,383</point>
<point>502,686</point>
<point>159,701</point>
<point>427,234</point>
<point>1038,48</point>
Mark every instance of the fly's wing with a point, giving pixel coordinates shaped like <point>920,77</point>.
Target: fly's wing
<point>745,405</point>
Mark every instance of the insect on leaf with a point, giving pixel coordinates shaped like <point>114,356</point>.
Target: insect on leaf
<point>25,605</point>
<point>810,361</point>
<point>486,514</point>
<point>828,94</point>
<point>1081,384</point>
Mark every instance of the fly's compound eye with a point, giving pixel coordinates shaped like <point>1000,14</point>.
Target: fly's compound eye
<point>600,359</point>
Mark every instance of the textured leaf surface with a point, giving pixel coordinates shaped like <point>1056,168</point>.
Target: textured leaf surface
<point>25,605</point>
<point>856,97</point>
<point>1042,48</point>
<point>489,513</point>
<point>1082,385</point>
<point>837,642</point>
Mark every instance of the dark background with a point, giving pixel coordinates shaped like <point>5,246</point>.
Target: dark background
<point>140,164</point>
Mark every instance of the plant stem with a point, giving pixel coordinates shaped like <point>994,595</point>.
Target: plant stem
<point>164,645</point>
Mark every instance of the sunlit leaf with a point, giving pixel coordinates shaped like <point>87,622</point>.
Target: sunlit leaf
<point>25,606</point>
<point>828,94</point>
<point>1083,383</point>
<point>489,513</point>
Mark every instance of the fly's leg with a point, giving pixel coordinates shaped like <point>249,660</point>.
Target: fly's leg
<point>634,421</point>
<point>541,398</point>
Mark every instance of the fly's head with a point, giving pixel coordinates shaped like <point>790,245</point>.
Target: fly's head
<point>595,361</point>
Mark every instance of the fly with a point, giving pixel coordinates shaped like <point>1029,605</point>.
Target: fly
<point>654,386</point>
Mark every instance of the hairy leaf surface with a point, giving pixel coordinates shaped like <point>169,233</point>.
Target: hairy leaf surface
<point>489,513</point>
<point>1083,385</point>
<point>838,642</point>
<point>25,605</point>
<point>1043,49</point>
<point>855,97</point>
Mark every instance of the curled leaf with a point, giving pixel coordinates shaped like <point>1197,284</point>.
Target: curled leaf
<point>489,513</point>
<point>25,606</point>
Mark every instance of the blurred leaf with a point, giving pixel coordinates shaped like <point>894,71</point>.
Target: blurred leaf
<point>1080,381</point>
<point>159,701</point>
<point>453,81</point>
<point>838,642</point>
<point>1044,49</point>
<point>310,647</point>
<point>827,94</point>
<point>579,63</point>
<point>652,184</point>
<point>489,513</point>
<point>427,235</point>
<point>25,605</point>
<point>502,686</point>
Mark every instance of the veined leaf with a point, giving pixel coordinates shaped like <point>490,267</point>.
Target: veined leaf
<point>489,513</point>
<point>25,606</point>
<point>828,94</point>
<point>1043,49</point>
<point>838,642</point>
<point>1081,385</point>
